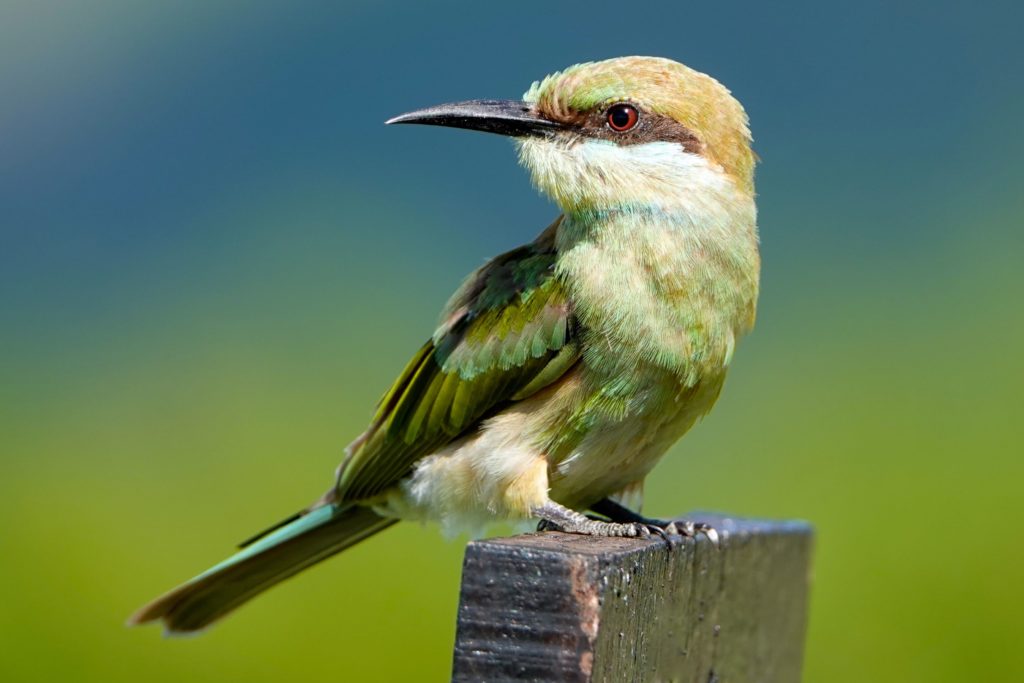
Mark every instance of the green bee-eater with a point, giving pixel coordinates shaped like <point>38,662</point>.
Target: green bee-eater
<point>561,371</point>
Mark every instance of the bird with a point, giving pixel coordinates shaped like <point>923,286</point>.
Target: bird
<point>560,371</point>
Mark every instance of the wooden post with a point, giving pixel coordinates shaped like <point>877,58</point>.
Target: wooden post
<point>561,607</point>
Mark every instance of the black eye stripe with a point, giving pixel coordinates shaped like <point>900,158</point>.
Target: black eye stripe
<point>649,127</point>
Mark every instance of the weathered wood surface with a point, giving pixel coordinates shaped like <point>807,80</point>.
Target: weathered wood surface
<point>560,607</point>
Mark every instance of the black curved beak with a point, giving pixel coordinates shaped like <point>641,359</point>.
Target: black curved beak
<point>504,117</point>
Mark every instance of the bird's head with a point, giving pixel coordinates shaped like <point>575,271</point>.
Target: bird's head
<point>618,133</point>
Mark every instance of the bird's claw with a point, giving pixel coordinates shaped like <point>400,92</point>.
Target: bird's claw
<point>547,525</point>
<point>665,532</point>
<point>692,529</point>
<point>681,528</point>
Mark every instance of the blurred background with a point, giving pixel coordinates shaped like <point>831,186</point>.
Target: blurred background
<point>214,258</point>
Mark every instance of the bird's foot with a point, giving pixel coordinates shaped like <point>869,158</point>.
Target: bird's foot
<point>555,517</point>
<point>680,527</point>
<point>598,527</point>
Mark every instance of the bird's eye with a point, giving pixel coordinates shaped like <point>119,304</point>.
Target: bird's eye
<point>622,117</point>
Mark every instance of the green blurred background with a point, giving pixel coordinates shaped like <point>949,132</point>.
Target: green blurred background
<point>214,258</point>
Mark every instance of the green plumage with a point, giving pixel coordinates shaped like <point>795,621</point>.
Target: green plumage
<point>506,333</point>
<point>278,555</point>
<point>627,309</point>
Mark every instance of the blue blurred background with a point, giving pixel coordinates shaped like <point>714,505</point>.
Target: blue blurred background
<point>214,258</point>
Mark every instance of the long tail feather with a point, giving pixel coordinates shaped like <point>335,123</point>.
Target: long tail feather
<point>278,555</point>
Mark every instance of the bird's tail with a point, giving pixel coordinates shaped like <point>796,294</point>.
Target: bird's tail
<point>263,562</point>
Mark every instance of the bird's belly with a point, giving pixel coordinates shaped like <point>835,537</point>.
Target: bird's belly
<point>570,443</point>
<point>620,448</point>
<point>498,473</point>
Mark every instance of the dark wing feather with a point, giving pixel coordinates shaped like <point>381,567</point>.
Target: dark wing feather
<point>506,333</point>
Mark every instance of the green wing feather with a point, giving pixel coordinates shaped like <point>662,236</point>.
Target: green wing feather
<point>506,333</point>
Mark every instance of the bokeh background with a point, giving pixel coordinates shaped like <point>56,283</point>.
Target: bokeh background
<point>214,258</point>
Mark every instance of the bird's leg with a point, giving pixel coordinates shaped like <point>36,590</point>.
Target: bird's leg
<point>555,517</point>
<point>621,514</point>
<point>616,512</point>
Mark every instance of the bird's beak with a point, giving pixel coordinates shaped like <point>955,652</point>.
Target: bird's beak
<point>504,117</point>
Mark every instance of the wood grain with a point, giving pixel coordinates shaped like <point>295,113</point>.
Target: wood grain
<point>561,607</point>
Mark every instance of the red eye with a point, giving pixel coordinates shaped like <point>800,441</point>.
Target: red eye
<point>622,117</point>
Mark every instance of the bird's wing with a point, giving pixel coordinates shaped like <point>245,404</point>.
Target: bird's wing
<point>505,334</point>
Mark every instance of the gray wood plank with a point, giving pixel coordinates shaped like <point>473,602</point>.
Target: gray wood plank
<point>561,607</point>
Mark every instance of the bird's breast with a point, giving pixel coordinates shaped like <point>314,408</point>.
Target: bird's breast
<point>660,296</point>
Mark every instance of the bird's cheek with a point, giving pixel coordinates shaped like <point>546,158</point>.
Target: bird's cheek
<point>550,169</point>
